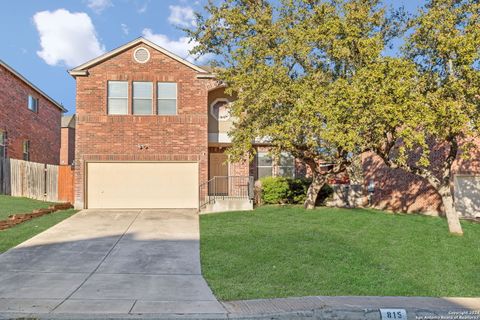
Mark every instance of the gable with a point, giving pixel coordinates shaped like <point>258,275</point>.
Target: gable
<point>82,70</point>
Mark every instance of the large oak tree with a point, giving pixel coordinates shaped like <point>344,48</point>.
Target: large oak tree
<point>282,62</point>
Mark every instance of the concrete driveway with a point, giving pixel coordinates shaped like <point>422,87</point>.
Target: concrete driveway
<point>109,262</point>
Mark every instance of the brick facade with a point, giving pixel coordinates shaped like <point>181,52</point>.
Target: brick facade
<point>400,191</point>
<point>181,137</point>
<point>41,128</point>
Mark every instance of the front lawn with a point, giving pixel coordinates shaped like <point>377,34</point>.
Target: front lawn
<point>24,231</point>
<point>11,205</point>
<point>288,251</point>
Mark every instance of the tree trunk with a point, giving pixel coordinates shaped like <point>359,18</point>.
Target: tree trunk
<point>453,219</point>
<point>317,183</point>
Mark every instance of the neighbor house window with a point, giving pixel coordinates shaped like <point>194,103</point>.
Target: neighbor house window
<point>167,98</point>
<point>142,97</point>
<point>286,165</point>
<point>117,97</point>
<point>32,104</point>
<point>264,165</point>
<point>3,144</point>
<point>26,150</point>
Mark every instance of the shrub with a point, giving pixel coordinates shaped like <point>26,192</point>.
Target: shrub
<point>275,190</point>
<point>281,190</point>
<point>298,190</point>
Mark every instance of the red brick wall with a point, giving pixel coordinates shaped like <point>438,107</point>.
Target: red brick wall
<point>398,190</point>
<point>67,148</point>
<point>99,136</point>
<point>42,129</point>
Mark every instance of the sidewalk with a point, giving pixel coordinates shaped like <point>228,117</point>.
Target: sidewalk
<point>325,307</point>
<point>312,308</point>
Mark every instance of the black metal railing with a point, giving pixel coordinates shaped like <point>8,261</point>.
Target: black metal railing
<point>226,187</point>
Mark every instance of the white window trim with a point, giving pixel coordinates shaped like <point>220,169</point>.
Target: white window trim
<point>214,103</point>
<point>176,100</point>
<point>270,166</point>
<point>36,103</point>
<point>292,166</point>
<point>133,99</point>
<point>109,97</point>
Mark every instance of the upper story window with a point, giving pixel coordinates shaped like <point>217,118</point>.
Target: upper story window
<point>3,144</point>
<point>142,97</point>
<point>167,98</point>
<point>26,150</point>
<point>117,97</point>
<point>286,165</point>
<point>264,165</point>
<point>220,109</point>
<point>32,103</point>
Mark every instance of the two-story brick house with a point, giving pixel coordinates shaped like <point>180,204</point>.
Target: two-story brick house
<point>29,119</point>
<point>151,128</point>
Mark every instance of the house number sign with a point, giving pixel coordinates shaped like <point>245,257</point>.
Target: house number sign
<point>393,314</point>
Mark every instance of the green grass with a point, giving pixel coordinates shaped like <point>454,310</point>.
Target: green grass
<point>21,232</point>
<point>11,205</point>
<point>289,251</point>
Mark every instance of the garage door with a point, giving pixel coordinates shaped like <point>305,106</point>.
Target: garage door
<point>142,185</point>
<point>467,195</point>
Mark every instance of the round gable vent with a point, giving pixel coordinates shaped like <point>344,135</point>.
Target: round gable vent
<point>141,55</point>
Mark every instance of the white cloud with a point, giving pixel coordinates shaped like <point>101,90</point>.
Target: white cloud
<point>180,47</point>
<point>143,8</point>
<point>182,16</point>
<point>99,5</point>
<point>125,29</point>
<point>66,38</point>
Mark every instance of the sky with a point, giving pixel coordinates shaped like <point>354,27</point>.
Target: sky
<point>42,40</point>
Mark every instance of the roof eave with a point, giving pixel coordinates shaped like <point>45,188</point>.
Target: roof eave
<point>34,87</point>
<point>78,73</point>
<point>206,76</point>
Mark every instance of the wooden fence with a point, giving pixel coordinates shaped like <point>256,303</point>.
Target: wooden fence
<point>36,180</point>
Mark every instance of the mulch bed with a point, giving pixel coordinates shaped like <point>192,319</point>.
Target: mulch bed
<point>18,218</point>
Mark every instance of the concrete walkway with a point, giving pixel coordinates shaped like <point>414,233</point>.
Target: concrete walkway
<point>109,262</point>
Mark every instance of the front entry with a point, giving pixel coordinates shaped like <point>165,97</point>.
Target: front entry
<point>219,168</point>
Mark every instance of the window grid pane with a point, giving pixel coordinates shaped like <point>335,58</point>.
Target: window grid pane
<point>117,89</point>
<point>264,172</point>
<point>167,90</point>
<point>142,106</point>
<point>117,106</point>
<point>142,98</point>
<point>264,159</point>
<point>142,90</point>
<point>286,172</point>
<point>167,98</point>
<point>117,97</point>
<point>167,107</point>
<point>32,103</point>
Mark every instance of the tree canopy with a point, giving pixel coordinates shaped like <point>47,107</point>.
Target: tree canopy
<point>310,78</point>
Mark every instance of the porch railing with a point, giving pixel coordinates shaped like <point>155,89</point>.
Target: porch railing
<point>226,187</point>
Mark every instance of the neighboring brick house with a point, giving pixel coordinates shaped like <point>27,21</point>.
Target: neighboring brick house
<point>29,120</point>
<point>400,191</point>
<point>67,147</point>
<point>151,128</point>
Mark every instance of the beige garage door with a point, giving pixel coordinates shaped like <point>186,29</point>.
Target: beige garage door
<point>142,185</point>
